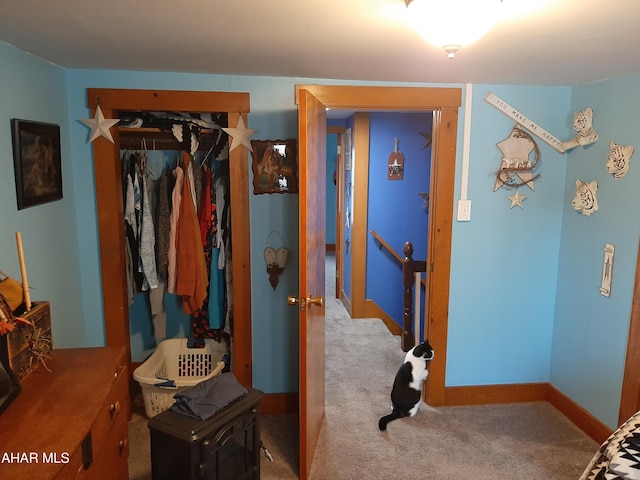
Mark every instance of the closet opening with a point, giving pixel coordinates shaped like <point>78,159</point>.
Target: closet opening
<point>160,130</point>
<point>168,158</point>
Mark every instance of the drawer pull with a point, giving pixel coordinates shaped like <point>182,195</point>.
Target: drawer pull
<point>123,445</point>
<point>114,408</point>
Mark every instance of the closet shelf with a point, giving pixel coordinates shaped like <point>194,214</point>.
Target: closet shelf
<point>132,138</point>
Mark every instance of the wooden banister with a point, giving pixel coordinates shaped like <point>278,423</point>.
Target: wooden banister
<point>409,269</point>
<point>395,254</point>
<point>387,246</point>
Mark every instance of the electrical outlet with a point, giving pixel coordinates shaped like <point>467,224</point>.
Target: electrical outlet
<point>464,210</point>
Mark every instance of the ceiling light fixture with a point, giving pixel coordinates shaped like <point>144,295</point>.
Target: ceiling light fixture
<point>452,24</point>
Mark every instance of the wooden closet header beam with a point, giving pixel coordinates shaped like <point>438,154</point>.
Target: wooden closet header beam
<point>163,100</point>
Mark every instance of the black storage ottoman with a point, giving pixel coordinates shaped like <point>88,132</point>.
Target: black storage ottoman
<point>226,446</point>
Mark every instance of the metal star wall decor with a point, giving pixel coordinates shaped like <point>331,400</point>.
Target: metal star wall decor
<point>517,199</point>
<point>516,168</point>
<point>100,126</point>
<point>425,200</point>
<point>240,135</point>
<point>428,139</point>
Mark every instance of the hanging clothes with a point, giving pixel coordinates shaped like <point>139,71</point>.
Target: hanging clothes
<point>191,258</point>
<point>191,279</point>
<point>176,197</point>
<point>147,240</point>
<point>208,319</point>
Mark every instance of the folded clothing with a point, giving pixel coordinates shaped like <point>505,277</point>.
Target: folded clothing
<point>209,396</point>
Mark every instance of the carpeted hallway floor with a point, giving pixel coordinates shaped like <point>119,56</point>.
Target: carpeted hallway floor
<point>518,441</point>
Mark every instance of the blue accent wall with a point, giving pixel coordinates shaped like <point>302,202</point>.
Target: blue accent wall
<point>395,207</point>
<point>524,303</point>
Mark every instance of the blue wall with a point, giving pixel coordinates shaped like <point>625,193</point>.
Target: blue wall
<point>504,261</point>
<point>32,89</point>
<point>395,208</point>
<point>524,303</point>
<point>590,330</point>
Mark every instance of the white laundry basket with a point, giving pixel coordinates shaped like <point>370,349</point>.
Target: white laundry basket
<point>174,367</point>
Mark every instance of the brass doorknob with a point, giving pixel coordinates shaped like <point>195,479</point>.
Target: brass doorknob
<point>293,300</point>
<point>315,301</point>
<point>304,302</point>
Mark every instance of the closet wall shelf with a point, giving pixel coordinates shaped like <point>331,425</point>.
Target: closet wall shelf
<point>132,137</point>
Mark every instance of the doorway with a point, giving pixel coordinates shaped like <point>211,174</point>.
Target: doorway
<point>312,101</point>
<point>444,103</point>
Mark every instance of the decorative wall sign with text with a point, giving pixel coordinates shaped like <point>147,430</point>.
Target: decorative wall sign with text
<point>530,125</point>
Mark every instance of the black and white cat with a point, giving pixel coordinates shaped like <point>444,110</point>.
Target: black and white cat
<point>407,386</point>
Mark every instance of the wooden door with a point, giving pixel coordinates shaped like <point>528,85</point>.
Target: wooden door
<point>312,148</point>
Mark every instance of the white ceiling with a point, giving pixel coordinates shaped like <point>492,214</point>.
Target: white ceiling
<point>568,42</point>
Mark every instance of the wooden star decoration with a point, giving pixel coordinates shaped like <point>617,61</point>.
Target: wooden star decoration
<point>100,126</point>
<point>515,155</point>
<point>240,135</point>
<point>428,139</point>
<point>516,199</point>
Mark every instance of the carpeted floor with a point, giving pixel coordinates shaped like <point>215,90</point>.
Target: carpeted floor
<point>518,441</point>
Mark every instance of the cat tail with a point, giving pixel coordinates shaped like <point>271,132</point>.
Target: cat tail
<point>382,424</point>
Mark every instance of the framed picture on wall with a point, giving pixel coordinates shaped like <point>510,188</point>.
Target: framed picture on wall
<point>37,162</point>
<point>275,166</point>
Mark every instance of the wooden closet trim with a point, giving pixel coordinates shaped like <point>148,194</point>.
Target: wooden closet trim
<point>110,210</point>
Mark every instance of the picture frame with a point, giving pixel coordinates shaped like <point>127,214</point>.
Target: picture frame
<point>37,162</point>
<point>9,384</point>
<point>275,166</point>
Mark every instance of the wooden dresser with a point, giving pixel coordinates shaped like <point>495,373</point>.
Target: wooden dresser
<point>70,423</point>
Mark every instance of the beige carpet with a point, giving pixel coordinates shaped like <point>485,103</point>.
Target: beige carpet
<point>518,441</point>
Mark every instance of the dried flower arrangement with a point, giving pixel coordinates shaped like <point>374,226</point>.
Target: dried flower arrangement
<point>39,341</point>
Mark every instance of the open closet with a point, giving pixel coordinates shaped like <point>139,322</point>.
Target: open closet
<point>146,138</point>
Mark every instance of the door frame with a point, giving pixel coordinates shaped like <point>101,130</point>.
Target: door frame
<point>444,103</point>
<point>630,396</point>
<point>339,210</point>
<point>110,210</point>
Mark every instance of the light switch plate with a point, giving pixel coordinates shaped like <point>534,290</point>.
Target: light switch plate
<point>464,210</point>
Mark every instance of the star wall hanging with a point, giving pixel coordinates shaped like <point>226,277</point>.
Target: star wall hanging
<point>425,200</point>
<point>517,168</point>
<point>100,126</point>
<point>240,135</point>
<point>517,199</point>
<point>428,139</point>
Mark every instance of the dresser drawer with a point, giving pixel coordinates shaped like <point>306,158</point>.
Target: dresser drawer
<point>115,406</point>
<point>110,462</point>
<point>74,469</point>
